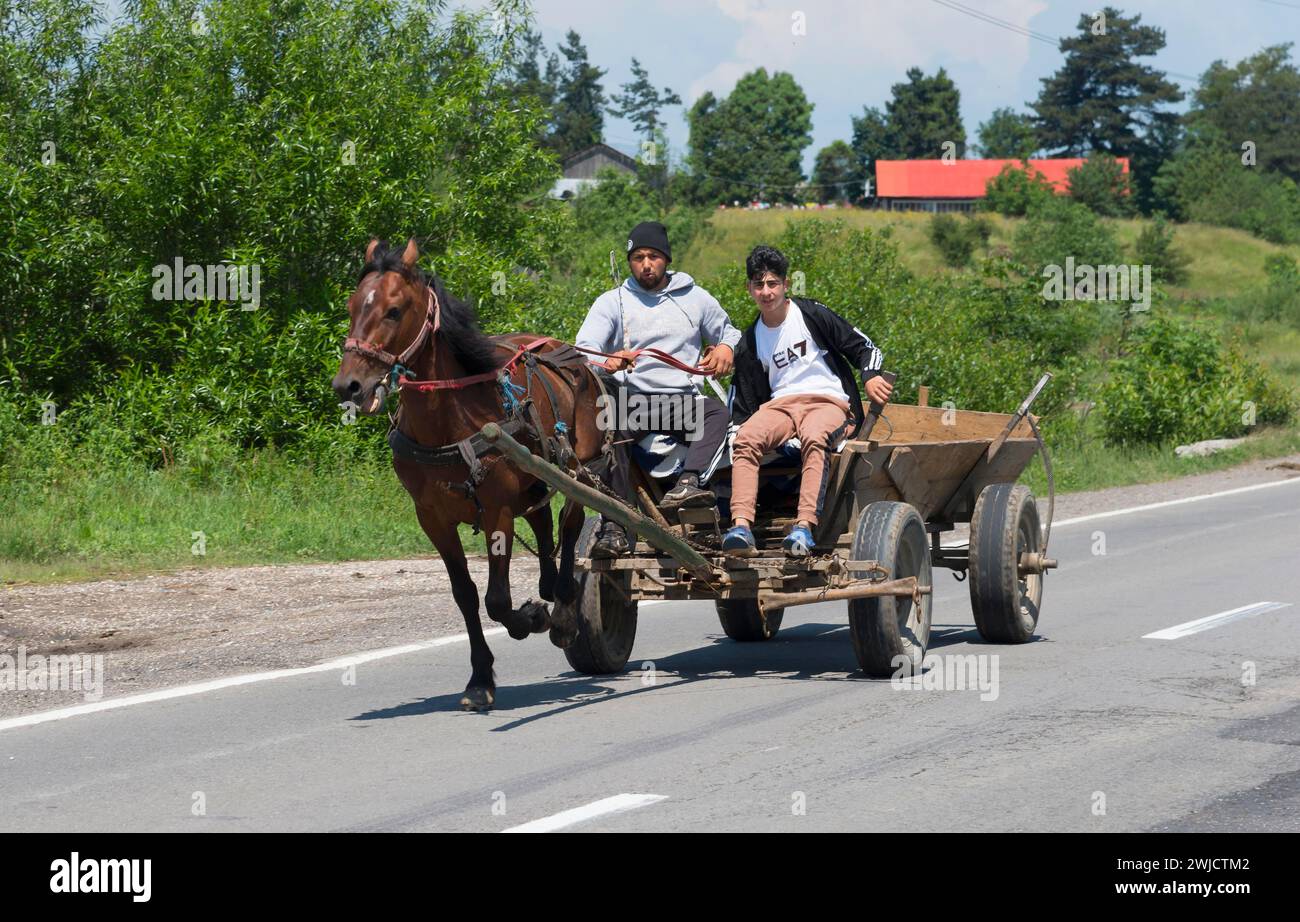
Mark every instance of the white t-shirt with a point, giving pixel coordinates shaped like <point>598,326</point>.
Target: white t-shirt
<point>793,361</point>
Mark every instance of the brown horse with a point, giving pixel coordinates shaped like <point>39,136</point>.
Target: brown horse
<point>404,318</point>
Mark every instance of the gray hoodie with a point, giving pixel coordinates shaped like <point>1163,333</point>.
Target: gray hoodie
<point>677,319</point>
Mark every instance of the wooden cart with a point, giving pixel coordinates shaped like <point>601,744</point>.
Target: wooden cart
<point>916,474</point>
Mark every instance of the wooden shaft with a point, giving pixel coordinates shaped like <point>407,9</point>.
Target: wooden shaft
<point>859,589</point>
<point>611,508</point>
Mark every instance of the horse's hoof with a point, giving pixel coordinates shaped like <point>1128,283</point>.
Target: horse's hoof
<point>536,615</point>
<point>563,637</point>
<point>477,699</point>
<point>518,630</point>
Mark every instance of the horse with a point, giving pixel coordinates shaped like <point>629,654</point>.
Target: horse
<point>408,333</point>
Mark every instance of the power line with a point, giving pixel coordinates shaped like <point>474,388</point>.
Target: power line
<point>1040,36</point>
<point>1290,6</point>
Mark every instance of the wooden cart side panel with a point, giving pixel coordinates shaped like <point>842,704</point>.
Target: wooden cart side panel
<point>927,474</point>
<point>903,424</point>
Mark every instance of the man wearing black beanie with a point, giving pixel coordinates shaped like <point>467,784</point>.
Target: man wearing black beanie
<point>658,309</point>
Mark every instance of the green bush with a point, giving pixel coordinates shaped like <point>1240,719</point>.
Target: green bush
<point>1016,190</point>
<point>1058,229</point>
<point>1179,382</point>
<point>1208,183</point>
<point>950,237</point>
<point>1101,185</point>
<point>1155,248</point>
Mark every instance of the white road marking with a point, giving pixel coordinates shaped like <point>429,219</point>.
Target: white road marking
<point>199,688</point>
<point>619,803</point>
<point>231,681</point>
<point>1213,621</point>
<point>1175,502</point>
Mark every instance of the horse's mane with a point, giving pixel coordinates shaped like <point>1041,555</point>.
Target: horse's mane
<point>460,327</point>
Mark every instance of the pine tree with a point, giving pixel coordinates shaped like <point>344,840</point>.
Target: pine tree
<point>1007,135</point>
<point>580,100</point>
<point>641,103</point>
<point>1104,99</point>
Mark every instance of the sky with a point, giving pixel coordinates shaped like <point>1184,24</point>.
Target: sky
<point>851,53</point>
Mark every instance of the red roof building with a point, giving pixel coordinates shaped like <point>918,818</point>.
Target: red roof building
<point>955,185</point>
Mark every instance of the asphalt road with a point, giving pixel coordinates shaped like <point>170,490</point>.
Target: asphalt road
<point>1094,726</point>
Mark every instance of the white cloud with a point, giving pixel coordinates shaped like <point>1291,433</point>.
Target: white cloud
<point>864,48</point>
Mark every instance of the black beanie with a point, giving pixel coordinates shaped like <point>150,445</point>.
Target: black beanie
<point>649,234</point>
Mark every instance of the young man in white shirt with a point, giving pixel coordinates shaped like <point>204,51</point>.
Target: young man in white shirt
<point>793,378</point>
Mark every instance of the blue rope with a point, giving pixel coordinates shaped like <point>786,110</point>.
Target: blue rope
<point>510,392</point>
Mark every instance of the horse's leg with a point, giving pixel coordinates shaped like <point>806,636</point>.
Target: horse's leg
<point>531,617</point>
<point>481,691</point>
<point>542,525</point>
<point>564,617</point>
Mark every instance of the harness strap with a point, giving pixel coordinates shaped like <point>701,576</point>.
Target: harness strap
<point>654,354</point>
<point>456,384</point>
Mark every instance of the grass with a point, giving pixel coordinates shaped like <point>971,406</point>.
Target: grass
<point>84,523</point>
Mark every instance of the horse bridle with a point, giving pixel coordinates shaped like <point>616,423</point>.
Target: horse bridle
<point>398,365</point>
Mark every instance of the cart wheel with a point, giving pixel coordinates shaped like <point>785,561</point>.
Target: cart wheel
<point>741,621</point>
<point>885,628</point>
<point>1004,526</point>
<point>606,620</point>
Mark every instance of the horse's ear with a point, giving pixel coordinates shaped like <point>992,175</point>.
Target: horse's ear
<point>412,254</point>
<point>370,250</point>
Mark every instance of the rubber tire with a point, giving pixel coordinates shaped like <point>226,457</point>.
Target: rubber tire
<point>886,627</point>
<point>741,622</point>
<point>606,623</point>
<point>1004,525</point>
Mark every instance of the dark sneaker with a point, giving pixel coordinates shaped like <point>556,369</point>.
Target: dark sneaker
<point>738,540</point>
<point>688,494</point>
<point>611,542</point>
<point>799,543</point>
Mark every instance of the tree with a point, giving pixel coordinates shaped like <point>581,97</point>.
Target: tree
<point>580,101</point>
<point>920,118</point>
<point>1102,185</point>
<point>924,116</point>
<point>641,103</point>
<point>1007,135</point>
<point>536,74</point>
<point>1103,99</point>
<point>837,175</point>
<point>1257,101</point>
<point>750,143</point>
<point>870,141</point>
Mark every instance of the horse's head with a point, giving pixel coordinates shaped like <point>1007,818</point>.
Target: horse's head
<point>394,314</point>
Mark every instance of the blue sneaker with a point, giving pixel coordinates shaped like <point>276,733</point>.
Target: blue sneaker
<point>799,543</point>
<point>738,540</point>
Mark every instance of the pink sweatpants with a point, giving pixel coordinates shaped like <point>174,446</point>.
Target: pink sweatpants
<point>810,417</point>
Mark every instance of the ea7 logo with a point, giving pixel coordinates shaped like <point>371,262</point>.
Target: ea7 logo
<point>789,357</point>
<point>103,875</point>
